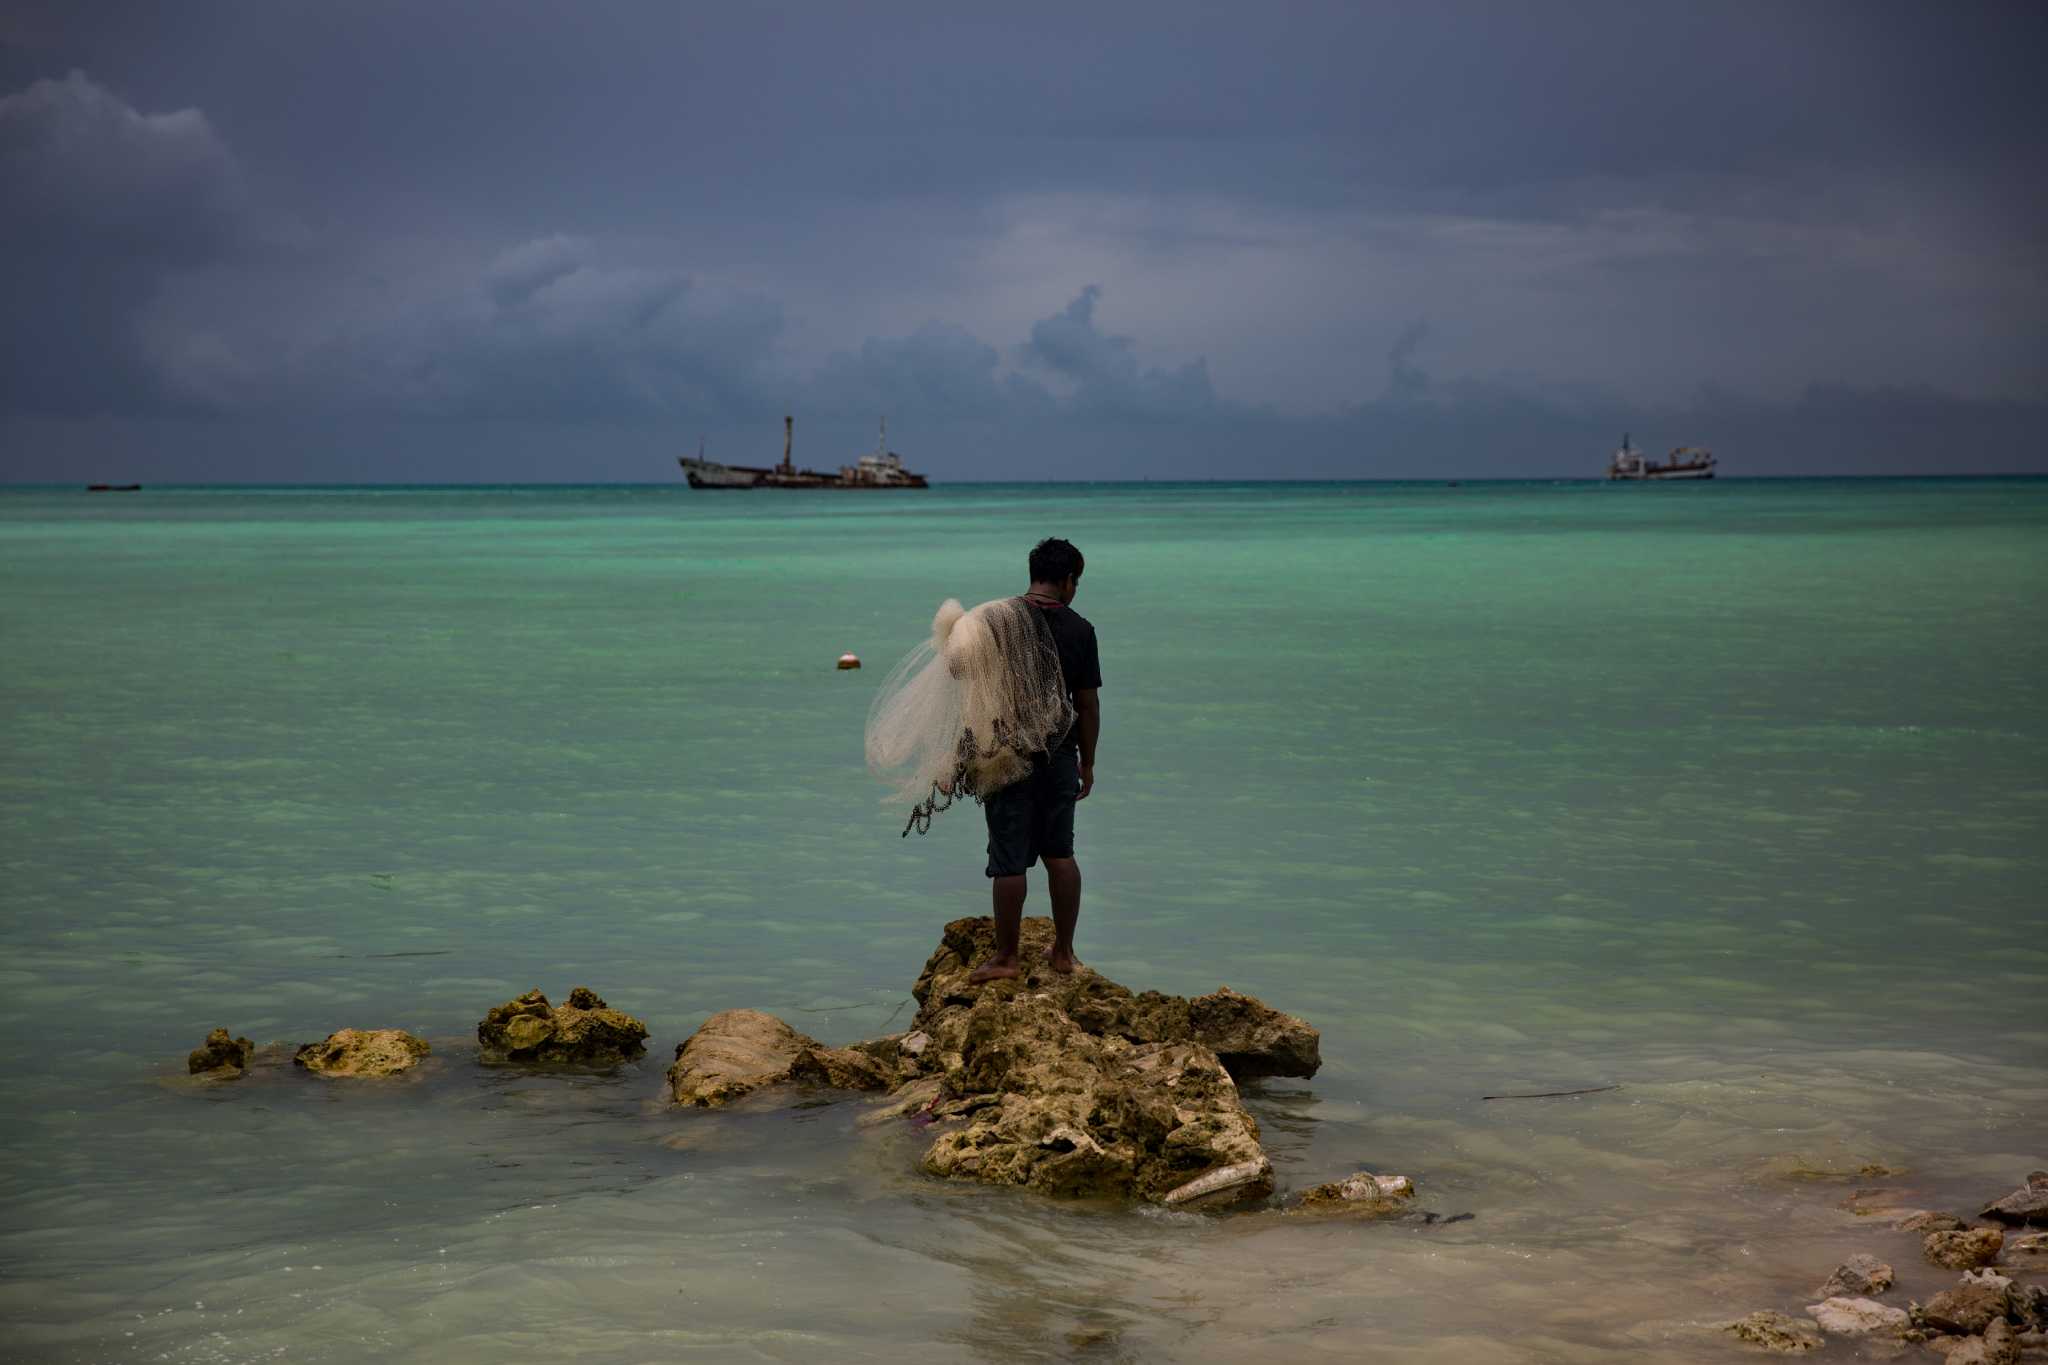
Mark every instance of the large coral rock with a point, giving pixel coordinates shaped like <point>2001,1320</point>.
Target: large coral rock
<point>1968,1308</point>
<point>583,1031</point>
<point>362,1053</point>
<point>222,1053</point>
<point>1054,1108</point>
<point>1074,1085</point>
<point>1247,1036</point>
<point>740,1051</point>
<point>1965,1250</point>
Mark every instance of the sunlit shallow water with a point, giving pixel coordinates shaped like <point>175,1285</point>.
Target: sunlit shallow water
<point>1731,796</point>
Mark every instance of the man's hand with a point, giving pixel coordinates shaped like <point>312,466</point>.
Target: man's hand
<point>1087,781</point>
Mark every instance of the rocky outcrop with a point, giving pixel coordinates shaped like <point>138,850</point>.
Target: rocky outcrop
<point>1964,1250</point>
<point>1249,1038</point>
<point>1038,1101</point>
<point>2026,1205</point>
<point>362,1053</point>
<point>1858,1317</point>
<point>1776,1332</point>
<point>1070,1085</point>
<point>1857,1277</point>
<point>221,1054</point>
<point>583,1031</point>
<point>740,1051</point>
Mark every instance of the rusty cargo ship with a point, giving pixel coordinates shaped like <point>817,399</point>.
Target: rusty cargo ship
<point>881,469</point>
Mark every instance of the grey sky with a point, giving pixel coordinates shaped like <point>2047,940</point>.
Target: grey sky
<point>517,241</point>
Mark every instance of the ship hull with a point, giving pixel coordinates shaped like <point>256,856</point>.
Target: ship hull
<point>709,475</point>
<point>1661,476</point>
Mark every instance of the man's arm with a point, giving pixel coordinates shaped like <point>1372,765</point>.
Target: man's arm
<point>1089,713</point>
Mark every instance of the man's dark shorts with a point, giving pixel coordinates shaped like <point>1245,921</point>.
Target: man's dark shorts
<point>1034,818</point>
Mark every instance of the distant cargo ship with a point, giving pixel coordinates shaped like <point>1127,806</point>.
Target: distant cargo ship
<point>882,469</point>
<point>1685,462</point>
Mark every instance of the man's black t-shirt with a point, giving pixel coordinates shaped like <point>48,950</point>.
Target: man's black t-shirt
<point>1079,663</point>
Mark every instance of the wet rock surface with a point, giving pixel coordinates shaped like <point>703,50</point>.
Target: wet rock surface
<point>1858,1317</point>
<point>1777,1332</point>
<point>1363,1195</point>
<point>1859,1276</point>
<point>738,1052</point>
<point>1998,1346</point>
<point>582,1031</point>
<point>1071,1085</point>
<point>221,1054</point>
<point>1248,1037</point>
<point>2027,1205</point>
<point>1968,1308</point>
<point>362,1053</point>
<point>1963,1250</point>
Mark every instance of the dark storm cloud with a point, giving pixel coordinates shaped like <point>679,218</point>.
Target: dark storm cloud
<point>1714,215</point>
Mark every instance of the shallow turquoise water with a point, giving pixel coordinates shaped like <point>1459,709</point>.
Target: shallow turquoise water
<point>1731,794</point>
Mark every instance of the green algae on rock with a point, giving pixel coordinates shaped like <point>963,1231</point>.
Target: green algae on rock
<point>221,1054</point>
<point>582,1031</point>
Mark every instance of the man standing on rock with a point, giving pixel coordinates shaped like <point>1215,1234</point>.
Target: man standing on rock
<point>1034,818</point>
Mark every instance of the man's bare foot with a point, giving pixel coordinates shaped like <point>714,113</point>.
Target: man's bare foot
<point>1066,964</point>
<point>995,969</point>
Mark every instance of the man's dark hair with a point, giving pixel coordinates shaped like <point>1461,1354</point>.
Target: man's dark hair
<point>1054,561</point>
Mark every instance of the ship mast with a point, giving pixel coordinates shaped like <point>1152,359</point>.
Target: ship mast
<point>788,437</point>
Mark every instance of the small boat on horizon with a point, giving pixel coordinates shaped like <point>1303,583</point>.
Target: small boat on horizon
<point>113,488</point>
<point>1684,462</point>
<point>881,469</point>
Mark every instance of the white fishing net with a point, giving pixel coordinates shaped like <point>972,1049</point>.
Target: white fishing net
<point>964,712</point>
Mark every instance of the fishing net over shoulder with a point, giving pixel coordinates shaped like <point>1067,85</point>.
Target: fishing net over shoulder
<point>963,713</point>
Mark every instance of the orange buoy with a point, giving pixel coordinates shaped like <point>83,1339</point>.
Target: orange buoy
<point>849,661</point>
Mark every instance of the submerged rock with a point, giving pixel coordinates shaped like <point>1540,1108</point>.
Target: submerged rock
<point>1364,1195</point>
<point>2026,1205</point>
<point>220,1053</point>
<point>1776,1332</point>
<point>1964,1250</point>
<point>1855,1317</point>
<point>583,1031</point>
<point>362,1053</point>
<point>1926,1220</point>
<point>2028,1251</point>
<point>740,1051</point>
<point>1859,1275</point>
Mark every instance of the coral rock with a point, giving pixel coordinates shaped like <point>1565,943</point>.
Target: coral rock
<point>1050,1106</point>
<point>220,1053</point>
<point>362,1053</point>
<point>1853,1317</point>
<point>1926,1221</point>
<point>1967,1309</point>
<point>1364,1195</point>
<point>1858,1276</point>
<point>583,1031</point>
<point>740,1051</point>
<point>1998,1346</point>
<point>1964,1250</point>
<point>1776,1332</point>
<point>1248,1036</point>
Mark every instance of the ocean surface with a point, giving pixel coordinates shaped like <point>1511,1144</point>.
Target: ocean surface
<point>1730,795</point>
